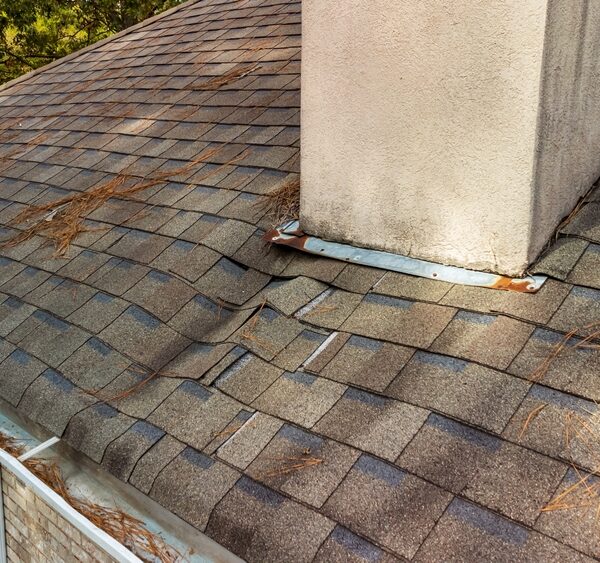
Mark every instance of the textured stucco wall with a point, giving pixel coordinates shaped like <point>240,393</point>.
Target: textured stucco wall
<point>420,126</point>
<point>569,118</point>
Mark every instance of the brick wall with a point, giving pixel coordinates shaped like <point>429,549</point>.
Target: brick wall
<point>35,533</point>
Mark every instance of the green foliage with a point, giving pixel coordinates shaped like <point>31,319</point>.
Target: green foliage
<point>36,32</point>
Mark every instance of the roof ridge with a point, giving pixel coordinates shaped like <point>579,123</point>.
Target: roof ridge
<point>75,54</point>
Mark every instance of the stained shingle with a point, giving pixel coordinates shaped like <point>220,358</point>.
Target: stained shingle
<point>467,532</point>
<point>398,320</point>
<point>464,390</point>
<point>373,490</point>
<point>502,476</point>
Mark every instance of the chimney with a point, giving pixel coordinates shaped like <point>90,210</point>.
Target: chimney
<point>459,132</point>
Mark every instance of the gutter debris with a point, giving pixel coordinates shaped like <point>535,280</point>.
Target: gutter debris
<point>290,234</point>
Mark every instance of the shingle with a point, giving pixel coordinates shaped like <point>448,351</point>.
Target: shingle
<point>288,296</point>
<point>203,320</point>
<point>13,312</point>
<point>577,525</point>
<point>117,276</point>
<point>467,391</point>
<point>195,414</point>
<point>94,365</point>
<point>25,281</point>
<point>297,352</point>
<point>368,363</point>
<point>144,338</point>
<point>330,309</point>
<point>317,267</point>
<point>372,423</point>
<point>53,340</point>
<point>300,398</point>
<point>266,258</point>
<point>372,491</point>
<point>560,258</point>
<point>153,461</point>
<point>586,270</point>
<point>228,236</point>
<point>467,532</point>
<point>502,476</point>
<point>303,465</point>
<point>574,370</point>
<point>398,320</point>
<point>586,223</point>
<point>536,307</point>
<point>137,392</point>
<point>180,222</point>
<point>196,360</point>
<point>9,269</point>
<point>60,296</point>
<point>93,429</point>
<point>47,259</point>
<point>140,246</point>
<point>206,199</point>
<point>580,309</point>
<point>258,524</point>
<point>231,283</point>
<point>247,378</point>
<point>267,333</point>
<point>245,207</point>
<point>161,294</point>
<point>192,485</point>
<point>359,279</point>
<point>101,310</point>
<point>186,259</point>
<point>17,372</point>
<point>122,455</point>
<point>487,339</point>
<point>243,445</point>
<point>203,227</point>
<point>84,265</point>
<point>343,545</point>
<point>554,424</point>
<point>411,287</point>
<point>51,401</point>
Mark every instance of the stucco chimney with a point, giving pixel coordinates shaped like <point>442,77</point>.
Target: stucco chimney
<point>460,132</point>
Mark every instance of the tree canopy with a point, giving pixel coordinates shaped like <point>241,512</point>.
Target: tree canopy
<point>36,32</point>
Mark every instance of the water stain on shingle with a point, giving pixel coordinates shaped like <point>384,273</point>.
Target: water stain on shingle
<point>386,301</point>
<point>488,522</point>
<point>446,362</point>
<point>259,492</point>
<point>195,390</point>
<point>20,357</point>
<point>364,397</point>
<point>143,318</point>
<point>380,470</point>
<point>99,346</point>
<point>196,458</point>
<point>365,343</point>
<point>471,435</point>
<point>300,377</point>
<point>58,381</point>
<point>362,548</point>
<point>475,318</point>
<point>300,437</point>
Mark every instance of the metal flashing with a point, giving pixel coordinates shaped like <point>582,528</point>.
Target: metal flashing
<point>290,234</point>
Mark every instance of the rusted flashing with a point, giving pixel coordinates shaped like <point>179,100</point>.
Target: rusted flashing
<point>290,234</point>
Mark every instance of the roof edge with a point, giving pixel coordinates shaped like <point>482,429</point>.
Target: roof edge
<point>74,54</point>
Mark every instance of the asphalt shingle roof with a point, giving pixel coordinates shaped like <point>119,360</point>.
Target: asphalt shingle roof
<point>429,436</point>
